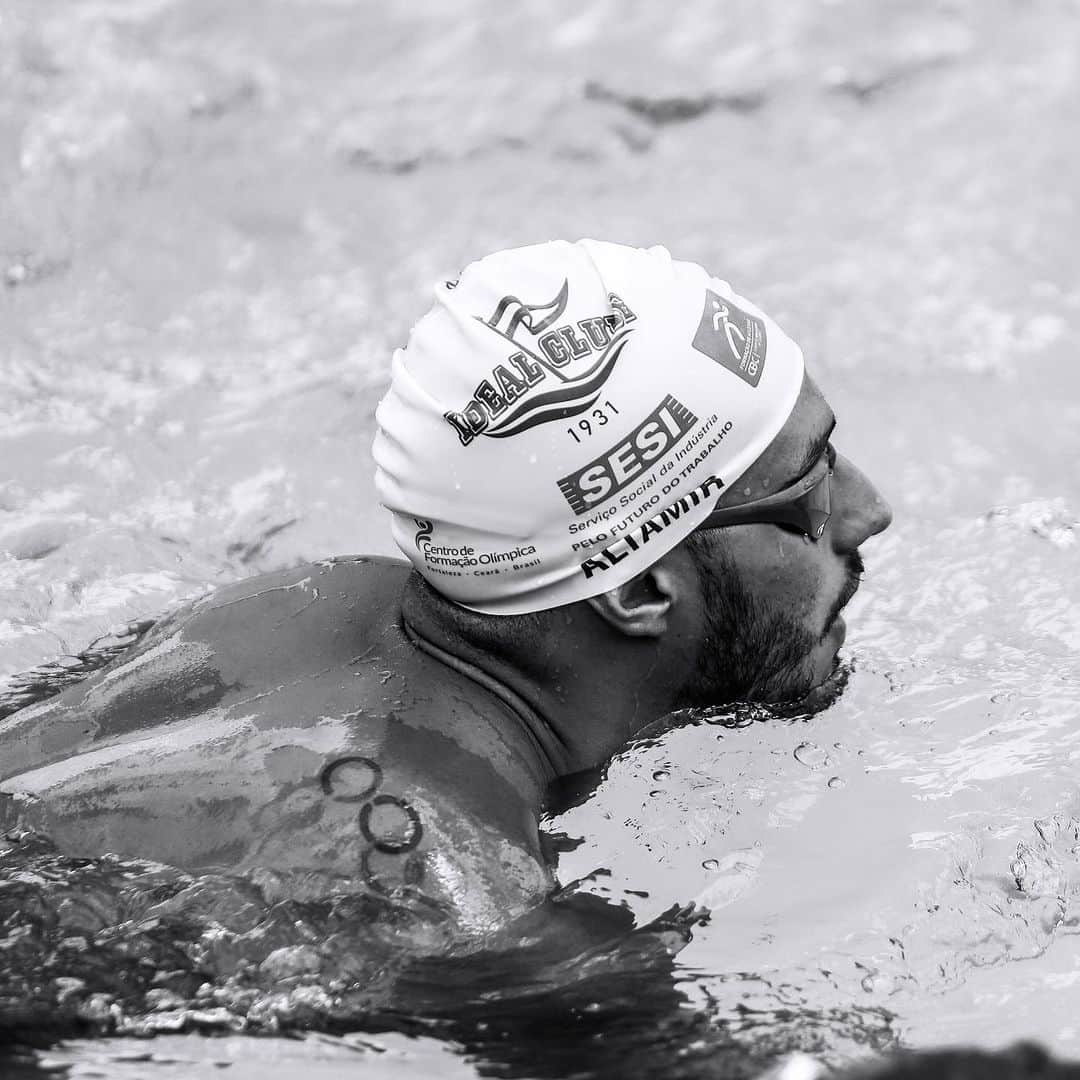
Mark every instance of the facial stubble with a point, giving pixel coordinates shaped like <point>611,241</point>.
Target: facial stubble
<point>747,653</point>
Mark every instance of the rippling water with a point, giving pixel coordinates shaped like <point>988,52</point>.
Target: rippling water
<point>217,222</point>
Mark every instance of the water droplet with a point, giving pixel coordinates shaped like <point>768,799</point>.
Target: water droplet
<point>710,864</point>
<point>1019,872</point>
<point>878,982</point>
<point>836,781</point>
<point>811,755</point>
<point>661,774</point>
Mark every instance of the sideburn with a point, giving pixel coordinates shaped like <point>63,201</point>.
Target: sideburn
<point>744,654</point>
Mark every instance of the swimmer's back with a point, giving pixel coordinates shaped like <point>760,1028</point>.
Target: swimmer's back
<point>244,639</point>
<point>284,721</point>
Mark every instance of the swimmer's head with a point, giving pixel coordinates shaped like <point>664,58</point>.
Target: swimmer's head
<point>568,416</point>
<point>566,413</point>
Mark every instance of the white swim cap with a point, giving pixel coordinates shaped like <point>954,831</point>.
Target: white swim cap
<point>566,414</point>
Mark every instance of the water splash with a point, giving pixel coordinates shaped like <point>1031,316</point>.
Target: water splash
<point>111,946</point>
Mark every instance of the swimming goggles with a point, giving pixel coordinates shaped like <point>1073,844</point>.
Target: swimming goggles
<point>804,505</point>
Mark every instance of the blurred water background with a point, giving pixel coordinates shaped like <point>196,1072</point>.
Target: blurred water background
<point>218,220</point>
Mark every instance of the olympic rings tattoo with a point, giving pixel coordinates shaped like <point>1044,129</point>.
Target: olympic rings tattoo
<point>391,844</point>
<point>389,824</point>
<point>351,779</point>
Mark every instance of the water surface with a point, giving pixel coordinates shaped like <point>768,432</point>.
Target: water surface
<point>217,222</point>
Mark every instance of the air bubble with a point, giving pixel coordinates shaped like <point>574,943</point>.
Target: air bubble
<point>836,781</point>
<point>811,755</point>
<point>710,864</point>
<point>661,774</point>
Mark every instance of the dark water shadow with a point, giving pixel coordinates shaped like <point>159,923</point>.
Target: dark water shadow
<point>97,947</point>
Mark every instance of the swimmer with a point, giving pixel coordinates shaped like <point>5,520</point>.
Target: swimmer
<point>611,506</point>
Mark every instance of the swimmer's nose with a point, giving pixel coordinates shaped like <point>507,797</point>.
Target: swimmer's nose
<point>859,510</point>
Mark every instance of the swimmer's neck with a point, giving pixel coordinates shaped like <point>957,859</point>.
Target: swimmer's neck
<point>578,695</point>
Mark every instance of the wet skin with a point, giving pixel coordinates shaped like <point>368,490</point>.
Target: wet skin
<point>786,574</point>
<point>288,722</point>
<point>313,721</point>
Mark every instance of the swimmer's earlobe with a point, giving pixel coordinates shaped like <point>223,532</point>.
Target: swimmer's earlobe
<point>641,606</point>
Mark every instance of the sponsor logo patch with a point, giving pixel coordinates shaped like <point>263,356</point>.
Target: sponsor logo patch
<point>641,534</point>
<point>555,371</point>
<point>458,559</point>
<point>732,337</point>
<point>619,466</point>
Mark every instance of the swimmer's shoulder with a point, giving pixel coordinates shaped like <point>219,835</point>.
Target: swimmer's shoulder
<point>336,595</point>
<point>317,613</point>
<point>353,579</point>
<point>242,642</point>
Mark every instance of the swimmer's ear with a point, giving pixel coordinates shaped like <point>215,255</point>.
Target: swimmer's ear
<point>641,606</point>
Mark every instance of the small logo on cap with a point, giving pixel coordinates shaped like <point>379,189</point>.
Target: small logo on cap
<point>553,372</point>
<point>424,529</point>
<point>732,337</point>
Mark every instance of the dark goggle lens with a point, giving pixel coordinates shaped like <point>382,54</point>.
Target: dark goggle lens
<point>807,510</point>
<point>809,513</point>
